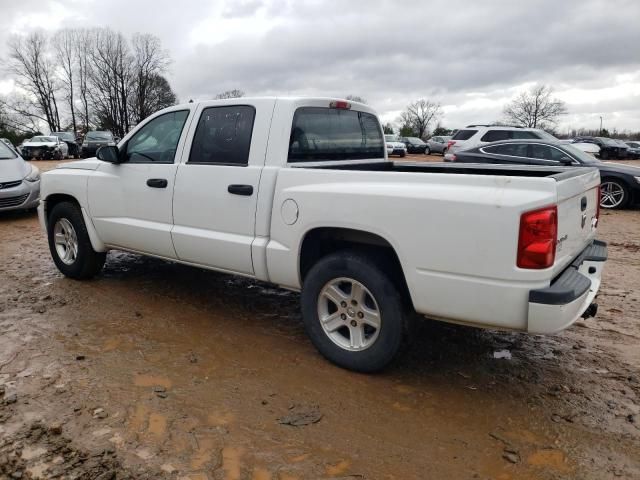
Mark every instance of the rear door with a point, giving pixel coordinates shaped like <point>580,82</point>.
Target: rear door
<point>216,188</point>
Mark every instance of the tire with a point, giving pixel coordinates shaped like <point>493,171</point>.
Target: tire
<point>614,194</point>
<point>66,219</point>
<point>402,155</point>
<point>427,151</point>
<point>373,348</point>
<point>444,152</point>
<point>604,155</point>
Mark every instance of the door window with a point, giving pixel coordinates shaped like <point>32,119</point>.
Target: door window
<point>546,152</point>
<point>157,141</point>
<point>508,149</point>
<point>223,136</point>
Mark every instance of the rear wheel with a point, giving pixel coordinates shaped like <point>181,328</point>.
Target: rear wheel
<point>614,194</point>
<point>352,312</point>
<point>70,245</point>
<point>427,151</point>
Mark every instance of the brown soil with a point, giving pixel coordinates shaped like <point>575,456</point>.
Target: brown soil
<point>157,370</point>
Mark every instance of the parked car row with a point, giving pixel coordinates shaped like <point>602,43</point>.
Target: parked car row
<point>60,145</point>
<point>400,146</point>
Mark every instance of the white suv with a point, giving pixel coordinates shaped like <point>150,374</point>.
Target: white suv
<point>475,135</point>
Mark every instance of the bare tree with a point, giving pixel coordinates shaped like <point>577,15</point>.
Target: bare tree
<point>109,74</point>
<point>536,108</point>
<point>149,62</point>
<point>355,98</point>
<point>82,44</point>
<point>235,93</point>
<point>34,72</point>
<point>419,115</point>
<point>64,46</point>
<point>20,114</point>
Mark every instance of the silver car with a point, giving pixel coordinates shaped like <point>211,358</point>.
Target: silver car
<point>437,144</point>
<point>19,181</point>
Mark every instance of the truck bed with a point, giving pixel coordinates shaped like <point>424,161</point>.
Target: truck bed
<point>559,173</point>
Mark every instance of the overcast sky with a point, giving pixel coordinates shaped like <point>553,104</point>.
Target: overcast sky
<point>472,56</point>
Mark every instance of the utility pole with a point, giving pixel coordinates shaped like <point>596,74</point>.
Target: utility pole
<point>600,125</point>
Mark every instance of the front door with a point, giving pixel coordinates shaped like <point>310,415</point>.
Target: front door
<point>131,202</point>
<point>217,185</point>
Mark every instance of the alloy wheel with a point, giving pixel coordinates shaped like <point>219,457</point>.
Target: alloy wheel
<point>66,241</point>
<point>349,314</point>
<point>612,195</point>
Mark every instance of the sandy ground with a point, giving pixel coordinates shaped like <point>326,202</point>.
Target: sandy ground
<point>156,370</point>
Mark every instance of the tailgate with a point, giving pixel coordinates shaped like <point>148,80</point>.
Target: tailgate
<point>577,211</point>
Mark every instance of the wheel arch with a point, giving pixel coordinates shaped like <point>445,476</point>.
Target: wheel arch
<point>54,199</point>
<point>321,241</point>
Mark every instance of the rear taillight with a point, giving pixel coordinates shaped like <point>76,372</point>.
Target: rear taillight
<point>537,238</point>
<point>450,144</point>
<point>598,204</point>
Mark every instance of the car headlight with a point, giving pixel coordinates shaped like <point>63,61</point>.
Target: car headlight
<point>34,174</point>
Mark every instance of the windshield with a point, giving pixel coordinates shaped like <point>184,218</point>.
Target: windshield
<point>43,139</point>
<point>583,157</point>
<point>391,138</point>
<point>633,144</point>
<point>415,140</point>
<point>5,152</point>
<point>546,136</point>
<point>99,136</point>
<point>64,135</point>
<point>606,141</point>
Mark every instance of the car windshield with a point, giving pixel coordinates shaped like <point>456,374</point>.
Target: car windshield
<point>43,139</point>
<point>583,157</point>
<point>606,141</point>
<point>391,138</point>
<point>64,135</point>
<point>547,136</point>
<point>99,136</point>
<point>5,152</point>
<point>633,144</point>
<point>415,140</point>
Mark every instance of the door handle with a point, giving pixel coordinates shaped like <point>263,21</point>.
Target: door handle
<point>246,190</point>
<point>157,183</point>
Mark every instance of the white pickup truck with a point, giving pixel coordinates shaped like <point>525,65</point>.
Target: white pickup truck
<point>299,192</point>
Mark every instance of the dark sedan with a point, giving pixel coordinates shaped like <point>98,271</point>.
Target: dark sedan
<point>70,139</point>
<point>414,144</point>
<point>609,148</point>
<point>93,141</point>
<point>620,185</point>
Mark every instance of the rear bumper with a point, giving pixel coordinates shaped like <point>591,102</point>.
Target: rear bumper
<point>559,305</point>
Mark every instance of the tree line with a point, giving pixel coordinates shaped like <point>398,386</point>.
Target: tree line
<point>84,79</point>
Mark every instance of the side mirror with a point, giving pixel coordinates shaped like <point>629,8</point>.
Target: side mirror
<point>566,161</point>
<point>109,153</point>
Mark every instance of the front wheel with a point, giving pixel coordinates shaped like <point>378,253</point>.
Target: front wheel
<point>427,151</point>
<point>352,312</point>
<point>613,194</point>
<point>69,243</point>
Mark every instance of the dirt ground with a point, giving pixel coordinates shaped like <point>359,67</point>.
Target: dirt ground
<point>156,370</point>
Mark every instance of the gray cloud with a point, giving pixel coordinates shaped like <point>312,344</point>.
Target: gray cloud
<point>392,52</point>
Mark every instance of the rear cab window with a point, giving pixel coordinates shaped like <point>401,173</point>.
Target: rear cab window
<point>328,134</point>
<point>464,134</point>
